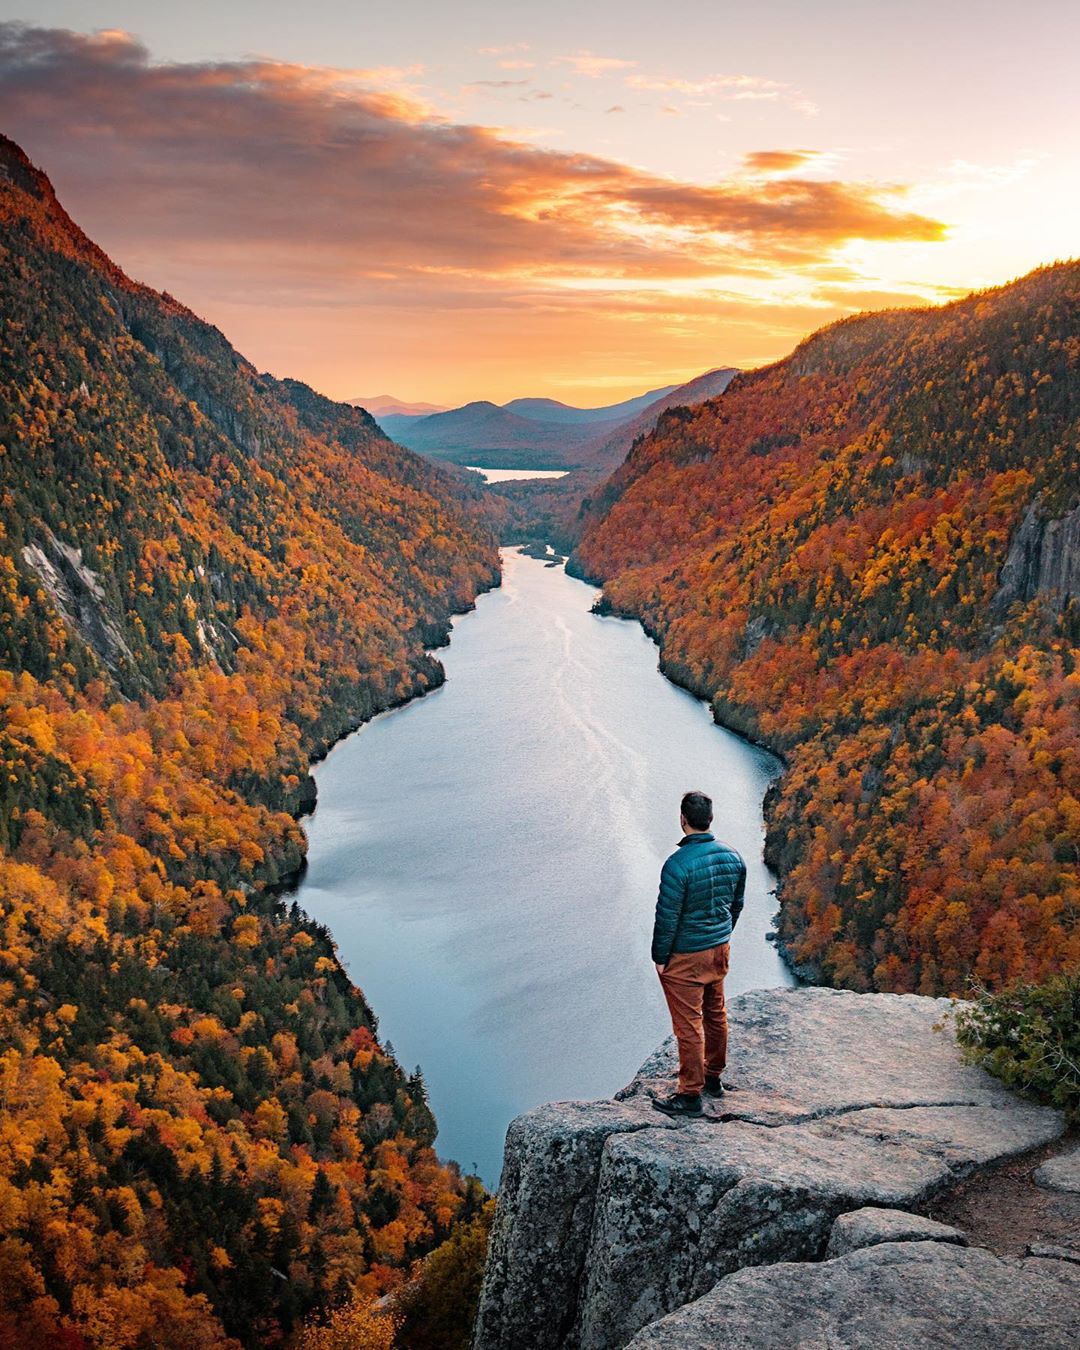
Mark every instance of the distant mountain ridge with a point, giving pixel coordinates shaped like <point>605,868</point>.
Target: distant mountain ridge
<point>388,403</point>
<point>526,433</point>
<point>488,436</point>
<point>551,410</point>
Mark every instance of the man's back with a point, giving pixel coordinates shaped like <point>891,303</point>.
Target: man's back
<point>700,900</point>
<point>701,897</point>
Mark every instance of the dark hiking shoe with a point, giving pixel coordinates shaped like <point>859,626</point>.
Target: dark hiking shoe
<point>714,1087</point>
<point>678,1105</point>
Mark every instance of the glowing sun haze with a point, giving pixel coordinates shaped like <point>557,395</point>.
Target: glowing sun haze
<point>479,201</point>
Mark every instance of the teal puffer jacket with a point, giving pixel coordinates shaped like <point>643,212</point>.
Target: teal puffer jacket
<point>701,897</point>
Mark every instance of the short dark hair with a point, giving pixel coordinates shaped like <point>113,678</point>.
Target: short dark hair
<point>697,810</point>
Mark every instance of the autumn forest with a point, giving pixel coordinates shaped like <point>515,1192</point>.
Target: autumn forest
<point>868,556</point>
<point>207,576</point>
<point>865,556</point>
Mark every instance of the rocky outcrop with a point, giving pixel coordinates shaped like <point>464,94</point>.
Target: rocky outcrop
<point>1043,559</point>
<point>915,1294</point>
<point>1059,563</point>
<point>541,1240</point>
<point>76,591</point>
<point>1055,1252</point>
<point>611,1216</point>
<point>1061,1173</point>
<point>867,1227</point>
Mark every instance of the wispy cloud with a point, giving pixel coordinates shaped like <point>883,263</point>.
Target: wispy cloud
<point>966,176</point>
<point>737,88</point>
<point>593,66</point>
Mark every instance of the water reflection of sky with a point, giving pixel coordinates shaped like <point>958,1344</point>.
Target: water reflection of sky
<point>516,475</point>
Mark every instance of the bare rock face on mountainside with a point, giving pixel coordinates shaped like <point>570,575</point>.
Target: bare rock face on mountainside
<point>1043,560</point>
<point>612,1217</point>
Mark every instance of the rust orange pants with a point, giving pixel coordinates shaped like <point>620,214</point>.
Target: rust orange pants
<point>693,984</point>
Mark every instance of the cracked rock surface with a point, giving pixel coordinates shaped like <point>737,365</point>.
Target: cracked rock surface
<point>917,1294</point>
<point>611,1216</point>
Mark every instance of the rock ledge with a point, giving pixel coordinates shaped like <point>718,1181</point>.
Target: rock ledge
<point>612,1217</point>
<point>867,1227</point>
<point>1061,1173</point>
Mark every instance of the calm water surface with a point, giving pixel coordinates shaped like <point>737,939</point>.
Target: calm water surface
<point>514,475</point>
<point>487,857</point>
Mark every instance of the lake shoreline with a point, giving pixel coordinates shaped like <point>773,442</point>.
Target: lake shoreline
<point>438,638</point>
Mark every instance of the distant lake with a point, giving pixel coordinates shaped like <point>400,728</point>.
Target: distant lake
<point>487,857</point>
<point>511,475</point>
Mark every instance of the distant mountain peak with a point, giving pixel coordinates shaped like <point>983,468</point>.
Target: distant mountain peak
<point>554,410</point>
<point>389,404</point>
<point>17,168</point>
<point>543,433</point>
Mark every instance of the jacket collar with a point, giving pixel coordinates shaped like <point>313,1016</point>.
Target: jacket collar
<point>698,837</point>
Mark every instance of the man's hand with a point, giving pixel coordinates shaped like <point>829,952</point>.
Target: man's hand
<point>659,968</point>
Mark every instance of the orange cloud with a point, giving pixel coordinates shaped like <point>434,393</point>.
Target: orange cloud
<point>592,66</point>
<point>778,161</point>
<point>276,189</point>
<point>284,154</point>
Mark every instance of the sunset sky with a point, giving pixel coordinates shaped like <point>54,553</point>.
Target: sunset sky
<point>580,200</point>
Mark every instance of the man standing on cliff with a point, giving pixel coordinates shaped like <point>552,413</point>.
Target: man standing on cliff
<point>701,897</point>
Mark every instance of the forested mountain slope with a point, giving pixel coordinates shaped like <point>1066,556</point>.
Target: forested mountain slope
<point>868,555</point>
<point>610,449</point>
<point>205,576</point>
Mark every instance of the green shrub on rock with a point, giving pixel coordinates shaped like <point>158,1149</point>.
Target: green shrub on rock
<point>1029,1037</point>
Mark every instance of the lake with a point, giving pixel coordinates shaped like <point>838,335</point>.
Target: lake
<point>516,475</point>
<point>487,857</point>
